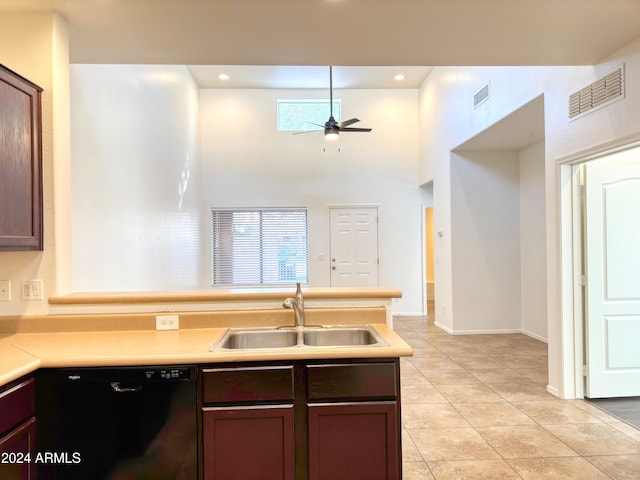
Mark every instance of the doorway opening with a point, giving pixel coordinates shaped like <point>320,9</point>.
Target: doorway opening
<point>429,262</point>
<point>602,291</point>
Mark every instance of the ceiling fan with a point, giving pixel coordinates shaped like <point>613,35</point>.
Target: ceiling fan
<point>332,128</point>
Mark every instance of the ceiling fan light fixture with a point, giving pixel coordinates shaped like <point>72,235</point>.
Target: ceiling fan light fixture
<point>331,133</point>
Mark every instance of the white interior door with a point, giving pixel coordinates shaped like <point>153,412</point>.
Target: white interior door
<point>613,276</point>
<point>354,247</point>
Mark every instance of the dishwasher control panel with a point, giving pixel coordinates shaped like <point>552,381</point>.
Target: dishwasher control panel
<point>170,373</point>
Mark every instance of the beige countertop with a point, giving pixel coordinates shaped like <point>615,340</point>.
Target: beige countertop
<point>15,362</point>
<point>22,353</point>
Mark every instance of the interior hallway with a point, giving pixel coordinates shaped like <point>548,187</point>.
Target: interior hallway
<point>476,407</point>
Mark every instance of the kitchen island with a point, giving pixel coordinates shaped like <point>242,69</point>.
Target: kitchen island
<point>313,409</point>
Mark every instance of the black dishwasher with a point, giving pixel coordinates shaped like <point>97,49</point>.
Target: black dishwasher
<point>119,423</point>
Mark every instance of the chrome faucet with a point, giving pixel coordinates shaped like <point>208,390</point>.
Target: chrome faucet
<point>297,303</point>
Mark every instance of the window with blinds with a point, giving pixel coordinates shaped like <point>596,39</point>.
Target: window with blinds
<point>259,246</point>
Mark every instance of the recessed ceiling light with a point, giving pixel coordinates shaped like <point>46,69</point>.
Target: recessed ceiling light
<point>399,77</point>
<point>223,76</point>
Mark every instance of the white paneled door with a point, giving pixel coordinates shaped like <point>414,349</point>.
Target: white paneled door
<point>354,247</point>
<point>613,276</point>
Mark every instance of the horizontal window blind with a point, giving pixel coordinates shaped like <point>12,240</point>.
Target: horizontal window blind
<point>259,246</point>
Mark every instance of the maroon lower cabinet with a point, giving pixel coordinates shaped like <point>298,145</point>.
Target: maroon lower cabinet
<point>248,443</point>
<point>304,420</point>
<point>353,441</point>
<point>17,452</point>
<point>17,430</point>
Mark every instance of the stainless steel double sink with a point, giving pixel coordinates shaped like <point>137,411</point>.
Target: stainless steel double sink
<point>296,337</point>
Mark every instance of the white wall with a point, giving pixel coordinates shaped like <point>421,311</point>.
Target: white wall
<point>447,119</point>
<point>135,212</point>
<point>247,162</point>
<point>498,242</point>
<point>35,45</point>
<point>485,236</point>
<point>533,278</point>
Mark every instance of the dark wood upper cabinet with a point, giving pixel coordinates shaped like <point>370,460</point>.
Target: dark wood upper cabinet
<point>20,163</point>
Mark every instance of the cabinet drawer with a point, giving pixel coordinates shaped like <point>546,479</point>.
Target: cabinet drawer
<point>352,381</point>
<point>16,404</point>
<point>247,384</point>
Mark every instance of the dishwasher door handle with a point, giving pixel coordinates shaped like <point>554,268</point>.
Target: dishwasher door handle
<point>115,386</point>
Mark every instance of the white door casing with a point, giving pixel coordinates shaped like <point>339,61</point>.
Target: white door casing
<point>612,253</point>
<point>354,247</point>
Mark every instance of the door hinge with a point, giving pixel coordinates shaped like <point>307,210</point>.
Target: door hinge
<point>583,280</point>
<point>582,190</point>
<point>585,370</point>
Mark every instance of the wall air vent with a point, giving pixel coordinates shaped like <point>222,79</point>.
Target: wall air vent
<point>600,93</point>
<point>481,96</point>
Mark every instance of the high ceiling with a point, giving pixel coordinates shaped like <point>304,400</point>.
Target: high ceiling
<point>343,32</point>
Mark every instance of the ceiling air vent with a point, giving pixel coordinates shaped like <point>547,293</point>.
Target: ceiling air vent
<point>481,95</point>
<point>602,92</point>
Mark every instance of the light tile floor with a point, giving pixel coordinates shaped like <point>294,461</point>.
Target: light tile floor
<point>476,407</point>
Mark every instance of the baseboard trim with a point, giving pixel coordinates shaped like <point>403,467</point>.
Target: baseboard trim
<point>535,336</point>
<point>442,327</point>
<point>479,332</point>
<point>485,332</point>
<point>553,391</point>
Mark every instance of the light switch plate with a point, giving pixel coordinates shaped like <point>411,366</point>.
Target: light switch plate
<point>32,290</point>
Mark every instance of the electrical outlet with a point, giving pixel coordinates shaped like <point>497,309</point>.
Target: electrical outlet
<point>32,290</point>
<point>5,290</point>
<point>167,322</point>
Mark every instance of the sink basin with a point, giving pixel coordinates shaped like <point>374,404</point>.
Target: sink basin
<point>299,337</point>
<point>249,339</point>
<point>337,336</point>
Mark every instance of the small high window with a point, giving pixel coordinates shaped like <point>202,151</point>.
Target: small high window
<point>301,115</point>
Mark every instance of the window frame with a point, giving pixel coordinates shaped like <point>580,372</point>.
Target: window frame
<point>277,262</point>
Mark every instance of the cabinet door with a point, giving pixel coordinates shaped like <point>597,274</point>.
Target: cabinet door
<point>353,441</point>
<point>248,443</point>
<point>17,452</point>
<point>20,163</point>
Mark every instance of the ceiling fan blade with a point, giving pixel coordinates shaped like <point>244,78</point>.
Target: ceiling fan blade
<point>346,123</point>
<point>306,131</point>
<point>355,129</point>
<point>316,124</point>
